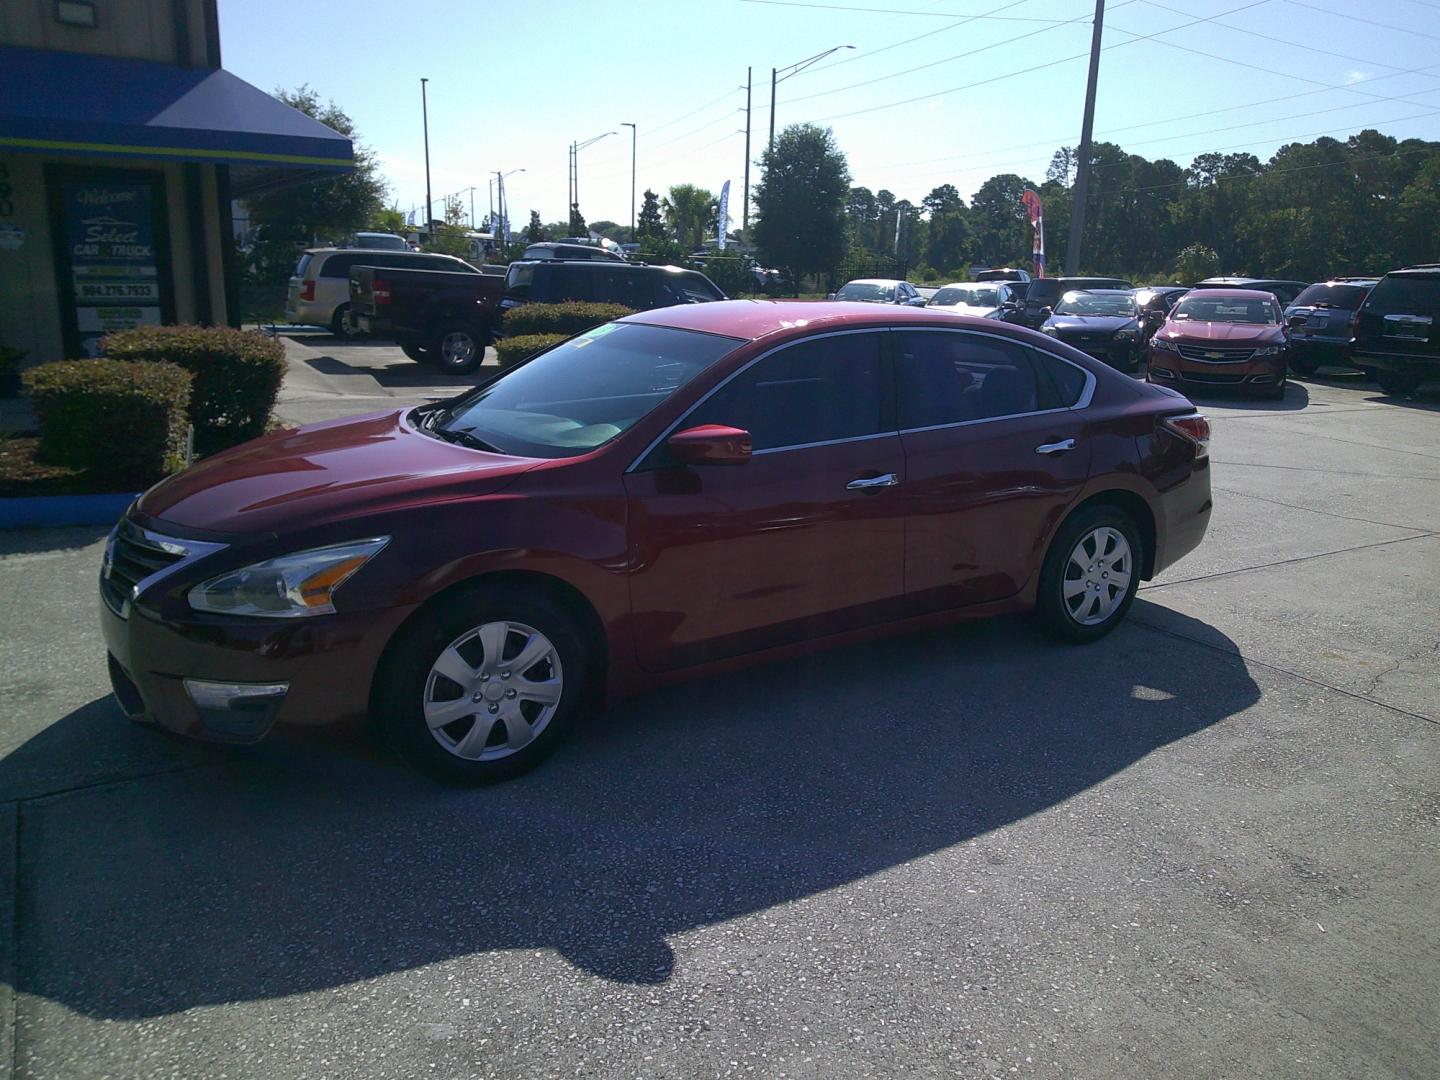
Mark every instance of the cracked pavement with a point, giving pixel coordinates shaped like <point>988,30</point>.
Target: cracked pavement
<point>1205,846</point>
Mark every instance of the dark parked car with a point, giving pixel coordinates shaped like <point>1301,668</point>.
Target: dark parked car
<point>1232,338</point>
<point>437,318</point>
<point>683,489</point>
<point>1003,273</point>
<point>1155,303</point>
<point>1044,293</point>
<point>1102,322</point>
<point>319,290</point>
<point>637,286</point>
<point>1322,321</point>
<point>1285,291</point>
<point>879,291</point>
<point>1396,338</point>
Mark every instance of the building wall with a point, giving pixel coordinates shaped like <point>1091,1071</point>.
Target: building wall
<point>29,298</point>
<point>140,29</point>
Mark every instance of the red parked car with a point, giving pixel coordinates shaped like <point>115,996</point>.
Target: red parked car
<point>1234,338</point>
<point>680,491</point>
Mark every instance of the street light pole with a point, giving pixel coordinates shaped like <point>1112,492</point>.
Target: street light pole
<point>634,136</point>
<point>745,213</point>
<point>1082,167</point>
<point>793,69</point>
<point>425,121</point>
<point>575,149</point>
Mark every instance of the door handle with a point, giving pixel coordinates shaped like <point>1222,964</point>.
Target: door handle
<point>1055,447</point>
<point>867,483</point>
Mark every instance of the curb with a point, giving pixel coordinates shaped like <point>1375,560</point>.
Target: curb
<point>49,511</point>
<point>9,886</point>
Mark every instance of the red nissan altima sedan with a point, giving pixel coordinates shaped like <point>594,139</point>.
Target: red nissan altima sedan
<point>660,497</point>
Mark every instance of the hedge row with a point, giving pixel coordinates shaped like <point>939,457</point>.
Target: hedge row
<point>567,319</point>
<point>512,350</point>
<point>237,375</point>
<point>122,422</point>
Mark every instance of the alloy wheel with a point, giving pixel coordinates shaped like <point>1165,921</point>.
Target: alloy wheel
<point>492,690</point>
<point>457,348</point>
<point>1097,576</point>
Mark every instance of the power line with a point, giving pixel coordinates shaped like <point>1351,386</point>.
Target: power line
<point>1079,19</point>
<point>652,128</point>
<point>1409,30</point>
<point>893,11</point>
<point>1039,67</point>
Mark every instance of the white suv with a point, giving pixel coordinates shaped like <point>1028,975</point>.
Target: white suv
<point>319,291</point>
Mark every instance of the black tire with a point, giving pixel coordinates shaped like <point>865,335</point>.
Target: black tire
<point>337,321</point>
<point>457,349</point>
<point>1050,604</point>
<point>1398,383</point>
<point>1306,366</point>
<point>405,683</point>
<point>418,353</point>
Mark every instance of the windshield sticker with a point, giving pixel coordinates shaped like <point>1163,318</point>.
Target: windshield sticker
<point>589,337</point>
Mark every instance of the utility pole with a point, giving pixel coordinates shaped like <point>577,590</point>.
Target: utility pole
<point>472,209</point>
<point>634,135</point>
<point>1082,167</point>
<point>745,213</point>
<point>793,69</point>
<point>425,120</point>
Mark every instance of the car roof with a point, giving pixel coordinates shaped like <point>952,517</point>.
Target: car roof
<point>1238,294</point>
<point>1105,292</point>
<point>872,281</point>
<point>1241,282</point>
<point>755,319</point>
<point>378,251</point>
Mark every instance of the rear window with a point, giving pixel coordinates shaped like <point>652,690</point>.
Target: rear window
<point>303,264</point>
<point>864,290</point>
<point>1404,292</point>
<point>339,266</point>
<point>1348,297</point>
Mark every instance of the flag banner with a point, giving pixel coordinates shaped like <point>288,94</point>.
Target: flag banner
<point>1036,212</point>
<point>723,216</point>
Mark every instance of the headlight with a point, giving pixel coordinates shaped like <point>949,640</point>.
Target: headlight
<point>1127,333</point>
<point>302,583</point>
<point>1163,344</point>
<point>1270,350</point>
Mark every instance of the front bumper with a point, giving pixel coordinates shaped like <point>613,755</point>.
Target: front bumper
<point>1254,376</point>
<point>304,672</point>
<point>1120,355</point>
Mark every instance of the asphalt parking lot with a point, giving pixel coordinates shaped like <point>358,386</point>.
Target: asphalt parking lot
<point>1205,846</point>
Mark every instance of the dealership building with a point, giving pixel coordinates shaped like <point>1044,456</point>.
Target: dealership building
<point>122,144</point>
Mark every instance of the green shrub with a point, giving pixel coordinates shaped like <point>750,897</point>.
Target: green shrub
<point>237,375</point>
<point>731,274</point>
<point>119,421</point>
<point>570,318</point>
<point>512,350</point>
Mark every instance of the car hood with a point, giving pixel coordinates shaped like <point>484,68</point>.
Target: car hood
<point>1090,323</point>
<point>305,477</point>
<point>1239,333</point>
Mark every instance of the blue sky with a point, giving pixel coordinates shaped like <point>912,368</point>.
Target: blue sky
<point>513,82</point>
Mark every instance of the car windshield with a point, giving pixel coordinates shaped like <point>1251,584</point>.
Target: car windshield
<point>1226,309</point>
<point>865,290</point>
<point>969,295</point>
<point>583,392</point>
<point>1079,303</point>
<point>1348,297</point>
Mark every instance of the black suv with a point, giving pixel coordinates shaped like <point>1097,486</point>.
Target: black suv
<point>638,287</point>
<point>1044,293</point>
<point>1321,320</point>
<point>1397,339</point>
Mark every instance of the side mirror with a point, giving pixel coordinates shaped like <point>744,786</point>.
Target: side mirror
<point>1294,321</point>
<point>915,301</point>
<point>710,444</point>
<point>1046,312</point>
<point>830,296</point>
<point>1154,318</point>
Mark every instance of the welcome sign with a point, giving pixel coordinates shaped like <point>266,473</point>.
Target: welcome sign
<point>114,263</point>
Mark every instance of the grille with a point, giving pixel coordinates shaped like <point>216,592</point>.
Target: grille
<point>1210,377</point>
<point>130,560</point>
<point>1204,354</point>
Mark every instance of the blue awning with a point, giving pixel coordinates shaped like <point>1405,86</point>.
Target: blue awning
<point>64,103</point>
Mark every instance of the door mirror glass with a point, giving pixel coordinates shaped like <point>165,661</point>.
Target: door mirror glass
<point>710,444</point>
<point>1295,320</point>
<point>916,301</point>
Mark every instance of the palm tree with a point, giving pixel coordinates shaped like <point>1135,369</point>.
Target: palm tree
<point>690,213</point>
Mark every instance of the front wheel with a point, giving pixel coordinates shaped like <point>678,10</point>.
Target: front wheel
<point>1303,366</point>
<point>1398,383</point>
<point>1090,575</point>
<point>482,687</point>
<point>458,349</point>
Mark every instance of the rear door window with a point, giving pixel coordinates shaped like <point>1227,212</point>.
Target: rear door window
<point>569,282</point>
<point>338,266</point>
<point>949,377</point>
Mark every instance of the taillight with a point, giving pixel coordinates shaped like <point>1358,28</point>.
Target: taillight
<point>1194,428</point>
<point>307,290</point>
<point>379,292</point>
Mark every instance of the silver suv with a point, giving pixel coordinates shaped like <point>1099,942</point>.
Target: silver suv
<point>319,291</point>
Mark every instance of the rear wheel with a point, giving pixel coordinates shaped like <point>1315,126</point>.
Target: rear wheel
<point>1090,574</point>
<point>458,349</point>
<point>1398,383</point>
<point>484,686</point>
<point>337,321</point>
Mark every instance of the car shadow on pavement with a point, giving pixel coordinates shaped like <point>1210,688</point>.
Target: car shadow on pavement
<point>62,538</point>
<point>401,374</point>
<point>305,864</point>
<point>1296,398</point>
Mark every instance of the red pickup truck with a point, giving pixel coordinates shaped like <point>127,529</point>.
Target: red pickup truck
<point>437,317</point>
